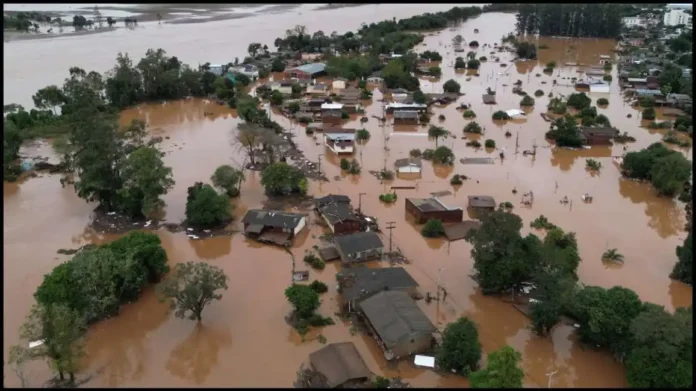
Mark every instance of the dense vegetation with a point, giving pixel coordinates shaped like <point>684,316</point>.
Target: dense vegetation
<point>205,208</point>
<point>569,20</point>
<point>667,170</point>
<point>461,350</point>
<point>564,131</point>
<point>191,287</point>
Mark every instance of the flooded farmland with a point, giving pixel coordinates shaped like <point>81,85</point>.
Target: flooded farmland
<point>244,334</point>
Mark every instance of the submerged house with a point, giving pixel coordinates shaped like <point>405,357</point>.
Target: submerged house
<point>331,199</point>
<point>482,203</point>
<point>340,218</point>
<point>340,140</point>
<point>394,107</point>
<point>306,72</point>
<point>598,135</point>
<point>341,365</point>
<point>424,209</point>
<point>359,283</point>
<point>409,165</point>
<point>398,324</point>
<point>359,247</point>
<point>273,226</point>
<point>406,118</point>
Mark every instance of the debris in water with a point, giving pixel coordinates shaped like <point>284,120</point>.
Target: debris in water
<point>424,361</point>
<point>34,344</point>
<point>111,213</point>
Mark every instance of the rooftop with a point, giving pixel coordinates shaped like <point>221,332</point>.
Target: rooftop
<point>332,198</point>
<point>404,114</point>
<point>339,363</point>
<point>481,201</point>
<point>357,242</point>
<point>395,317</point>
<point>338,212</point>
<point>429,204</point>
<point>311,69</point>
<point>332,106</point>
<point>272,218</point>
<point>361,281</point>
<point>488,99</point>
<point>338,131</point>
<point>409,161</point>
<point>599,131</point>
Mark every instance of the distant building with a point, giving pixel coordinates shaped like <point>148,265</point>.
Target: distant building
<point>676,17</point>
<point>216,69</point>
<point>248,70</point>
<point>598,135</point>
<point>340,140</point>
<point>341,365</point>
<point>424,209</point>
<point>408,166</point>
<point>307,71</point>
<point>405,118</point>
<point>358,283</point>
<point>634,21</point>
<point>686,6</point>
<point>482,203</point>
<point>359,247</point>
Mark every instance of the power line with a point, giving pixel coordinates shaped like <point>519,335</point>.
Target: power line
<point>390,226</point>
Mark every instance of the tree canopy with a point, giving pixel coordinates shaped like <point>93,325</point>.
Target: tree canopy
<point>667,170</point>
<point>502,370</point>
<point>461,350</point>
<point>191,287</point>
<point>282,179</point>
<point>205,208</point>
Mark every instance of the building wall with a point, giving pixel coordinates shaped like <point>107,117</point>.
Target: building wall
<point>361,256</point>
<point>330,119</point>
<point>300,226</point>
<point>290,73</point>
<point>405,121</point>
<point>676,17</point>
<point>446,216</point>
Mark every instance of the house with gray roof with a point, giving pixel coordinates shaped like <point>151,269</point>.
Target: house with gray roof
<point>398,324</point>
<point>359,247</point>
<point>273,226</point>
<point>306,71</point>
<point>340,364</point>
<point>482,203</point>
<point>359,283</point>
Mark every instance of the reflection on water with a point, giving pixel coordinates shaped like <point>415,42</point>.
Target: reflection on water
<point>146,346</point>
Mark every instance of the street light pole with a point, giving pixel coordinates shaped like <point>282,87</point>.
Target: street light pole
<point>360,201</point>
<point>550,375</point>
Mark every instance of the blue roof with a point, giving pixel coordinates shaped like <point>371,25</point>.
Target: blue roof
<point>313,68</point>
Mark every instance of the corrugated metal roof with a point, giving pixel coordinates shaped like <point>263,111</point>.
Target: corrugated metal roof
<point>272,218</point>
<point>395,317</point>
<point>311,69</point>
<point>339,363</point>
<point>363,281</point>
<point>481,201</point>
<point>361,241</point>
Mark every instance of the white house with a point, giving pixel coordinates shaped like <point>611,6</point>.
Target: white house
<point>340,140</point>
<point>248,70</point>
<point>216,69</point>
<point>599,88</point>
<point>338,84</point>
<point>633,21</point>
<point>284,86</point>
<point>408,166</point>
<point>331,106</point>
<point>676,17</point>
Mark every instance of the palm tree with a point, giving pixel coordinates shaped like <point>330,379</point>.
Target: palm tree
<point>612,255</point>
<point>436,132</point>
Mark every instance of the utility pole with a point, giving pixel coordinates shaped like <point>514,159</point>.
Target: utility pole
<point>439,276</point>
<point>319,162</point>
<point>390,227</point>
<point>550,375</point>
<point>360,201</point>
<point>517,143</point>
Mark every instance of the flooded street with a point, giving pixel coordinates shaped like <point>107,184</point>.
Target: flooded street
<point>243,340</point>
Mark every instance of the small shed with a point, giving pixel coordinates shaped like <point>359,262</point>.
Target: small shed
<point>424,209</point>
<point>307,71</point>
<point>341,364</point>
<point>359,283</point>
<point>408,165</point>
<point>482,203</point>
<point>459,230</point>
<point>359,247</point>
<point>339,83</point>
<point>398,324</point>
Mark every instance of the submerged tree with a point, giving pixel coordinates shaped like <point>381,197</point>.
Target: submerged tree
<point>191,287</point>
<point>205,208</point>
<point>502,370</point>
<point>461,350</point>
<point>228,179</point>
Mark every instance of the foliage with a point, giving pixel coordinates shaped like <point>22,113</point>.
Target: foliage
<point>435,71</point>
<point>281,179</point>
<point>612,255</point>
<point>527,101</point>
<point>557,106</point>
<point>145,179</point>
<point>607,78</point>
<point>205,208</point>
<point>489,143</point>
<point>500,115</point>
<point>414,153</point>
<point>469,114</point>
<point>353,167</point>
<point>602,102</point>
<point>662,355</point>
<point>583,20</point>
<point>442,155</point>
<point>388,198</point>
<point>646,101</point>
<point>419,97</point>
<point>456,180</point>
<point>542,222</point>
<point>459,63</point>
<point>191,287</point>
<point>473,64</point>
<point>344,164</point>
<point>451,86</point>
<point>667,170</point>
<point>593,164</point>
<point>683,269</point>
<point>303,299</point>
<point>96,280</point>
<point>602,120</point>
<point>318,286</point>
<point>564,131</point>
<point>314,261</point>
<point>473,143</point>
<point>579,101</point>
<point>506,206</point>
<point>61,329</point>
<point>461,350</point>
<point>276,98</point>
<point>473,127</point>
<point>648,114</point>
<point>396,74</point>
<point>278,65</point>
<point>526,50</point>
<point>437,132</point>
<point>12,140</point>
<point>362,134</point>
<point>433,228</point>
<point>501,371</point>
<point>228,179</point>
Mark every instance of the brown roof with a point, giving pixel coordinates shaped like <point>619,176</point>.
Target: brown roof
<point>338,130</point>
<point>481,202</point>
<point>458,231</point>
<point>339,363</point>
<point>599,131</point>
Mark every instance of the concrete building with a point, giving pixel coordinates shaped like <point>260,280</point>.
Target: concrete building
<point>633,21</point>
<point>339,140</point>
<point>676,17</point>
<point>424,209</point>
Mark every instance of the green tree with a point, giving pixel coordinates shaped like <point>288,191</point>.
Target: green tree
<point>443,156</point>
<point>436,132</point>
<point>419,97</point>
<point>433,228</point>
<point>662,356</point>
<point>11,142</point>
<point>473,127</point>
<point>461,350</point>
<point>303,299</point>
<point>579,101</point>
<point>565,132</point>
<point>683,269</point>
<point>253,49</point>
<point>527,101</point>
<point>205,208</point>
<point>669,173</point>
<point>278,65</point>
<point>502,370</point>
<point>276,98</point>
<point>451,86</point>
<point>49,98</point>
<point>648,114</point>
<point>228,179</point>
<point>145,179</point>
<point>282,179</point>
<point>473,64</point>
<point>125,87</point>
<point>191,287</point>
<point>612,255</point>
<point>459,63</point>
<point>61,329</point>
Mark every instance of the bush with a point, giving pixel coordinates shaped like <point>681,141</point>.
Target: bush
<point>607,66</point>
<point>354,167</point>
<point>602,102</point>
<point>648,114</point>
<point>345,115</point>
<point>318,286</point>
<point>314,261</point>
<point>205,208</point>
<point>473,127</point>
<point>489,143</point>
<point>362,134</point>
<point>461,349</point>
<point>593,165</point>
<point>309,131</point>
<point>473,143</point>
<point>500,115</point>
<point>473,44</point>
<point>456,180</point>
<point>424,118</point>
<point>415,153</point>
<point>433,229</point>
<point>542,222</point>
<point>607,78</point>
<point>386,174</point>
<point>443,155</point>
<point>473,64</point>
<point>551,64</point>
<point>526,50</point>
<point>483,58</point>
<point>527,101</point>
<point>459,63</point>
<point>451,86</point>
<point>345,164</point>
<point>646,101</point>
<point>538,93</point>
<point>435,71</point>
<point>548,70</point>
<point>428,154</point>
<point>469,114</point>
<point>557,106</point>
<point>579,101</point>
<point>388,198</point>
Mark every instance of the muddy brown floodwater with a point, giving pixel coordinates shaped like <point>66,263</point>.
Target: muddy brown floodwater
<point>244,340</point>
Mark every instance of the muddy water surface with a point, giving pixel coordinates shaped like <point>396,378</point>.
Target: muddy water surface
<point>244,334</point>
